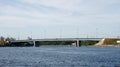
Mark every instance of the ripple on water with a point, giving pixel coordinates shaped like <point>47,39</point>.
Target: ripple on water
<point>59,57</point>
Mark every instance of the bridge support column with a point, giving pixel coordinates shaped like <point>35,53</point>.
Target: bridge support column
<point>34,43</point>
<point>77,43</point>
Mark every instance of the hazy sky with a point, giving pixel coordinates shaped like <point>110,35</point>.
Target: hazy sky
<point>59,18</point>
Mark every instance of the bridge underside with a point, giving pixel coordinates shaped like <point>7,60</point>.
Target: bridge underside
<point>21,44</point>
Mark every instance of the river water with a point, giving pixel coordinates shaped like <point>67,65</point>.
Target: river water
<point>59,56</point>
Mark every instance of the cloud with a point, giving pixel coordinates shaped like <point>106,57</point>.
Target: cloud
<point>66,13</point>
<point>76,5</point>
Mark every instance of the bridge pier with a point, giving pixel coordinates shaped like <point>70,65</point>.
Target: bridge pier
<point>34,44</point>
<point>77,43</point>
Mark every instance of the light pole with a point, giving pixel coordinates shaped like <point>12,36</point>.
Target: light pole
<point>44,33</point>
<point>77,33</point>
<point>61,33</point>
<point>96,32</point>
<point>18,36</point>
<point>31,34</point>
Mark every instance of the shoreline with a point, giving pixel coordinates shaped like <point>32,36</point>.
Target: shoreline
<point>108,45</point>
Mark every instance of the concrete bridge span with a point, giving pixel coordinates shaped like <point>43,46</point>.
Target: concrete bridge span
<point>76,40</point>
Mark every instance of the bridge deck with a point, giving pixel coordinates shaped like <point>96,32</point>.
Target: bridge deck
<point>61,39</point>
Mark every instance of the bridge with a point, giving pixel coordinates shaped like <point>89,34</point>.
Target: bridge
<point>76,40</point>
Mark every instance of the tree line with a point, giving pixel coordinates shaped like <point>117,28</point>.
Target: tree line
<point>4,41</point>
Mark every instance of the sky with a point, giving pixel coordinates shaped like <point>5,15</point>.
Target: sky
<point>59,18</point>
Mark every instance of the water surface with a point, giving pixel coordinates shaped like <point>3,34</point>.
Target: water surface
<point>59,56</point>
